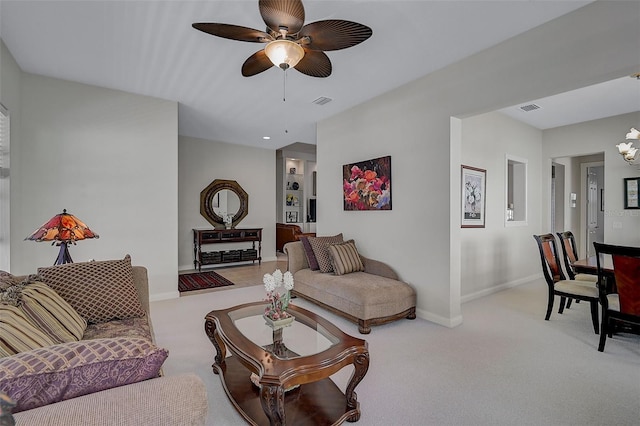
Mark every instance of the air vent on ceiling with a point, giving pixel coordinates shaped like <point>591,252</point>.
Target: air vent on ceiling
<point>322,100</point>
<point>530,107</point>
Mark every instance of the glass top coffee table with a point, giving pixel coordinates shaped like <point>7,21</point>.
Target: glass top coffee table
<point>291,366</point>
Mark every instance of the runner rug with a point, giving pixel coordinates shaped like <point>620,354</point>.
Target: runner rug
<point>201,280</point>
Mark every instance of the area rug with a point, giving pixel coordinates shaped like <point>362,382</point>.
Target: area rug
<point>201,281</point>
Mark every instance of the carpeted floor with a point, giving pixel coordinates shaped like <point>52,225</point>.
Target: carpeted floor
<point>505,365</point>
<point>201,281</point>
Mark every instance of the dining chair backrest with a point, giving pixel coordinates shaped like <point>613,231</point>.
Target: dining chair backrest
<point>569,250</point>
<point>626,270</point>
<point>549,257</point>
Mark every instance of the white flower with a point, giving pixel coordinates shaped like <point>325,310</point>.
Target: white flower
<point>277,276</point>
<point>624,148</point>
<point>288,280</point>
<point>269,283</point>
<point>633,134</point>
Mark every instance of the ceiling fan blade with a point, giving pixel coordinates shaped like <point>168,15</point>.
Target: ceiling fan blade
<point>233,32</point>
<point>256,63</point>
<point>282,13</point>
<point>315,63</point>
<point>334,34</point>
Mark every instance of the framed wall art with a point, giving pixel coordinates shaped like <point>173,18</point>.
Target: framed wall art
<point>631,186</point>
<point>473,197</point>
<point>366,185</point>
<point>292,217</point>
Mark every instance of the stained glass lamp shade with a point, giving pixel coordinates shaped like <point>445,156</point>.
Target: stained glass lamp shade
<point>62,229</point>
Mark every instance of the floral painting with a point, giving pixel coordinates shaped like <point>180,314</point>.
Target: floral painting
<point>366,185</point>
<point>473,197</point>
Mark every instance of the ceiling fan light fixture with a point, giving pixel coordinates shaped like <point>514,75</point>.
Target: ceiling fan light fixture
<point>284,53</point>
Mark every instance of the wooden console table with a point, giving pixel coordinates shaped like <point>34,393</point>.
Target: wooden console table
<point>224,236</point>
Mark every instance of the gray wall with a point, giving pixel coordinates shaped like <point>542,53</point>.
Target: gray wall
<point>10,77</point>
<point>202,161</point>
<point>620,226</point>
<point>421,236</point>
<point>109,158</point>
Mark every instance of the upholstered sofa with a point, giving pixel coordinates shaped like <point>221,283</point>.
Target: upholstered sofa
<point>111,374</point>
<point>288,232</point>
<point>362,290</point>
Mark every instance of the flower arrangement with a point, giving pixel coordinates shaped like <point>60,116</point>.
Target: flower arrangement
<point>365,190</point>
<point>276,308</point>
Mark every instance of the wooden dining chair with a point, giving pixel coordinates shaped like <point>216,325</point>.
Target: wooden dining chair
<point>623,307</point>
<point>559,285</point>
<point>570,254</point>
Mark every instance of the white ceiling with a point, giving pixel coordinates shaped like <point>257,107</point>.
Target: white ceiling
<point>149,47</point>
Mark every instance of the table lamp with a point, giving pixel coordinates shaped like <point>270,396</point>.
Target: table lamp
<point>62,229</point>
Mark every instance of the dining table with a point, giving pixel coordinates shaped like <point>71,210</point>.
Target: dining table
<point>589,265</point>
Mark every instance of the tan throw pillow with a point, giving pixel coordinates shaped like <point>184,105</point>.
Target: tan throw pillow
<point>99,291</point>
<point>345,258</point>
<point>320,246</point>
<point>18,334</point>
<point>51,313</point>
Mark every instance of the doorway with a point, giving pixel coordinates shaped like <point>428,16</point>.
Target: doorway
<point>594,205</point>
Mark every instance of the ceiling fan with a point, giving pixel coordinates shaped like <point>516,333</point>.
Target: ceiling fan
<point>290,43</point>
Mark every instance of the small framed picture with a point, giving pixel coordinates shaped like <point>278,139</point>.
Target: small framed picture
<point>292,217</point>
<point>631,186</point>
<point>292,170</point>
<point>473,197</point>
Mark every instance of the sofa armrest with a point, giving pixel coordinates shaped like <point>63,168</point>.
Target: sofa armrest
<point>296,259</point>
<point>141,283</point>
<point>172,400</point>
<point>376,267</point>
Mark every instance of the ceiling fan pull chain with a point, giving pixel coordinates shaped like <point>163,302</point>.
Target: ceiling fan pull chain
<point>284,97</point>
<point>284,86</point>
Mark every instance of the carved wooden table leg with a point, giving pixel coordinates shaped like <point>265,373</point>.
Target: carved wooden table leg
<point>221,350</point>
<point>272,399</point>
<point>361,364</point>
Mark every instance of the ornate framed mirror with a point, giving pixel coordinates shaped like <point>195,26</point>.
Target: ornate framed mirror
<point>223,199</point>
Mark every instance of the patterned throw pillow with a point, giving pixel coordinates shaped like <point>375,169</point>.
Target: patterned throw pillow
<point>320,247</point>
<point>99,291</point>
<point>345,258</point>
<point>51,313</point>
<point>308,252</point>
<point>56,373</point>
<point>6,280</point>
<point>18,334</point>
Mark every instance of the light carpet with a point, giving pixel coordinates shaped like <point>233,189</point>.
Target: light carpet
<point>504,365</point>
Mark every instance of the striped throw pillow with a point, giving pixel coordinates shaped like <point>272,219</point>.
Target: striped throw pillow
<point>320,246</point>
<point>51,313</point>
<point>345,258</point>
<point>18,334</point>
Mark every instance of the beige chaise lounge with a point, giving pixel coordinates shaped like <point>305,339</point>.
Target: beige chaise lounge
<point>368,298</point>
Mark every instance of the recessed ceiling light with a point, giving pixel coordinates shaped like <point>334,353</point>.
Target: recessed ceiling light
<point>266,138</point>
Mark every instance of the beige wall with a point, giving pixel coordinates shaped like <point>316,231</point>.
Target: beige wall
<point>202,161</point>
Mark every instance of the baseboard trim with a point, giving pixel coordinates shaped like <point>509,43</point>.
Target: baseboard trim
<point>500,287</point>
<point>164,296</point>
<point>438,319</point>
